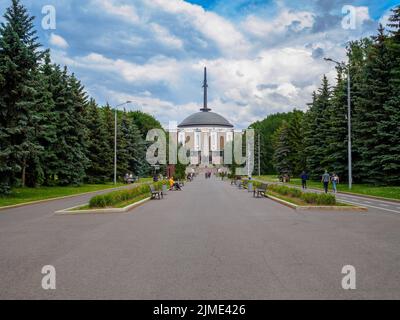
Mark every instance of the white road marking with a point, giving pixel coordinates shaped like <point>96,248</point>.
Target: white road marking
<point>384,205</point>
<point>367,205</point>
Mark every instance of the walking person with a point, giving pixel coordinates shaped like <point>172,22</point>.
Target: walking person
<point>325,179</point>
<point>335,182</point>
<point>304,177</point>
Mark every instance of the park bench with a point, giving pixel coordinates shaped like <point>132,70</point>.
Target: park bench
<point>261,190</point>
<point>155,193</point>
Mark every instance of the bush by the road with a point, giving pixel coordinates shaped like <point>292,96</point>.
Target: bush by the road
<point>113,198</point>
<point>308,197</point>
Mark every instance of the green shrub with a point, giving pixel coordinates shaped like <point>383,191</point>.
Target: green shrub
<point>310,198</point>
<point>115,197</point>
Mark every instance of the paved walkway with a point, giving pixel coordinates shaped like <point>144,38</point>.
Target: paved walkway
<point>210,241</point>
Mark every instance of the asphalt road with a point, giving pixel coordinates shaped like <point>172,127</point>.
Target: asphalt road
<point>209,241</point>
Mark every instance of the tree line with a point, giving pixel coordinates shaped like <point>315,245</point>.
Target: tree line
<point>317,140</point>
<point>51,132</point>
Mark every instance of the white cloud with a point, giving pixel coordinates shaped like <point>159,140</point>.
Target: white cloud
<point>159,69</point>
<point>256,67</point>
<point>212,26</point>
<point>234,86</point>
<point>58,41</point>
<point>126,12</point>
<point>362,14</point>
<point>286,18</point>
<point>384,20</point>
<point>165,37</point>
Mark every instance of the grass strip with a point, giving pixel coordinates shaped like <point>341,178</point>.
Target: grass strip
<point>388,192</point>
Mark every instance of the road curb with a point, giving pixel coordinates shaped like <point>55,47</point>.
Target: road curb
<point>71,211</point>
<point>325,208</point>
<point>339,192</point>
<point>63,197</point>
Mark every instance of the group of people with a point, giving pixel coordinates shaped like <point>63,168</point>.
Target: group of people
<point>208,175</point>
<point>334,179</point>
<point>325,179</point>
<point>174,184</point>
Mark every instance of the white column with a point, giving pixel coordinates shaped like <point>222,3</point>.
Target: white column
<point>205,154</point>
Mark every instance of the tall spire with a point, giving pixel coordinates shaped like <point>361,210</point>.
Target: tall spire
<point>205,86</point>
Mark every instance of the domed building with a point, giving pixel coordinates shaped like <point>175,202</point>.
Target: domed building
<point>205,134</point>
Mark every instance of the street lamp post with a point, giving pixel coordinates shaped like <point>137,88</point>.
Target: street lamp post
<point>348,119</point>
<point>115,139</point>
<point>259,155</point>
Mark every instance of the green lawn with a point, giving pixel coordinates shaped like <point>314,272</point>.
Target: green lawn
<point>384,192</point>
<point>22,195</point>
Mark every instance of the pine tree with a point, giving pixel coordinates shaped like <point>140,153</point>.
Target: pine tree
<point>109,123</point>
<point>70,103</point>
<point>337,139</point>
<point>266,128</point>
<point>357,52</point>
<point>296,142</point>
<point>46,132</point>
<point>288,145</point>
<point>374,93</point>
<point>137,151</point>
<point>282,153</point>
<point>123,145</point>
<point>19,56</point>
<point>98,150</point>
<point>389,127</point>
<point>317,131</point>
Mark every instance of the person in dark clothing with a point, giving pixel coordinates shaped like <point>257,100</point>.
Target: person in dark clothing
<point>304,178</point>
<point>325,179</point>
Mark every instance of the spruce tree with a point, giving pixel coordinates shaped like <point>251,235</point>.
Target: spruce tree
<point>295,135</point>
<point>109,123</point>
<point>288,144</point>
<point>70,103</point>
<point>282,150</point>
<point>47,126</point>
<point>19,57</point>
<point>137,152</point>
<point>317,131</point>
<point>337,140</point>
<point>374,93</point>
<point>357,52</point>
<point>98,149</point>
<point>389,127</point>
<point>123,145</point>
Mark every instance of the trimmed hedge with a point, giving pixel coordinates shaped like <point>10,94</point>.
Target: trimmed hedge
<point>308,197</point>
<point>113,198</point>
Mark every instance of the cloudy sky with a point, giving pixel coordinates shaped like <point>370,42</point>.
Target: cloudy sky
<point>263,56</point>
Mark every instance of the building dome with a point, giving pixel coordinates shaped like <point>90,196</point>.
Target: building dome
<point>205,119</point>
